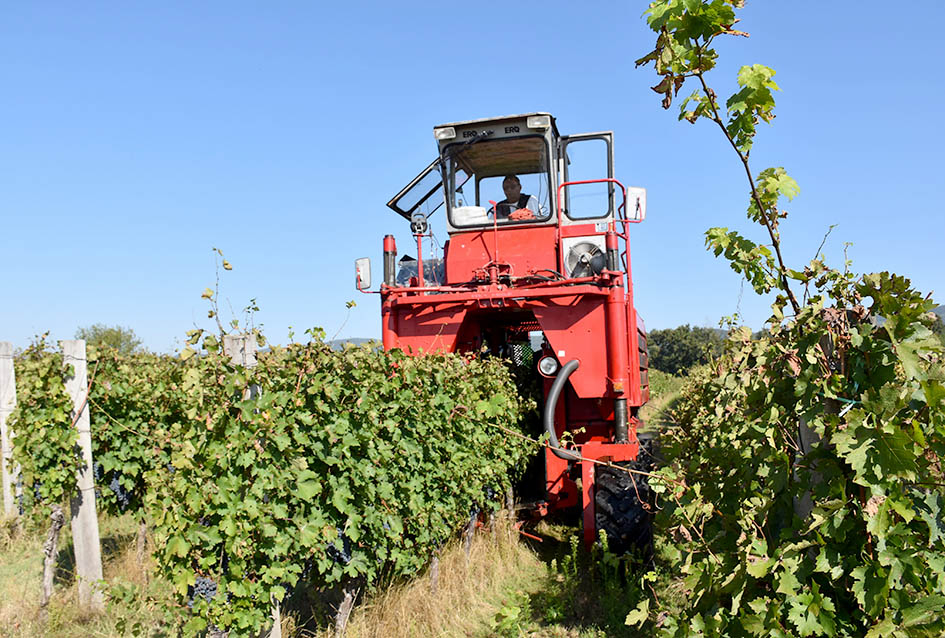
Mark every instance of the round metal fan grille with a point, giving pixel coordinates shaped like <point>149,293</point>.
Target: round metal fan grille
<point>585,259</point>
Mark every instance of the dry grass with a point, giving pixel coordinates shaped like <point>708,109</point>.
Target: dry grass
<point>469,591</point>
<point>15,574</point>
<point>468,594</point>
<point>502,589</point>
<point>21,578</point>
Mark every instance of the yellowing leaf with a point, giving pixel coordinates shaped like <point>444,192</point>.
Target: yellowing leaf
<point>638,615</point>
<point>177,546</point>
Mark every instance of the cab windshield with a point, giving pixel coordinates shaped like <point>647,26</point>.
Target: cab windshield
<point>481,178</point>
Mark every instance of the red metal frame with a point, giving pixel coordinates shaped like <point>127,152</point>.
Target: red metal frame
<point>588,318</point>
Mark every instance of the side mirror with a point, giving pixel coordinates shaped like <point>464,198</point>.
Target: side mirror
<point>636,203</point>
<point>362,269</point>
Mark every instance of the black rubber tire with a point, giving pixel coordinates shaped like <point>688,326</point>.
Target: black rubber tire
<point>619,509</point>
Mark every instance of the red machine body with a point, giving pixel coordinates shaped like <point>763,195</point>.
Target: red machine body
<point>555,285</point>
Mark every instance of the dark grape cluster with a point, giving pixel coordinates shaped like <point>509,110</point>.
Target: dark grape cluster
<point>342,555</point>
<point>306,568</point>
<point>97,478</point>
<point>121,494</point>
<point>204,588</point>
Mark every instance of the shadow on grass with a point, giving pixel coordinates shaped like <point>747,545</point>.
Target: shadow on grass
<point>112,546</point>
<point>584,593</point>
<point>590,593</point>
<point>314,607</point>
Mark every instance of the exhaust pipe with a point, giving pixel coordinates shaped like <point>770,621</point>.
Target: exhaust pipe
<point>390,260</point>
<point>613,248</point>
<point>621,433</point>
<point>548,418</point>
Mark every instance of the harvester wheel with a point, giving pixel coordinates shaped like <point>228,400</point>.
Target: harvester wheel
<point>621,502</point>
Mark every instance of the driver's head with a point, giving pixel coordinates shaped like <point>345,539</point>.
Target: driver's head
<point>512,187</point>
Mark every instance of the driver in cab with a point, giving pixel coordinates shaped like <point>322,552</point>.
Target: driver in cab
<point>517,205</point>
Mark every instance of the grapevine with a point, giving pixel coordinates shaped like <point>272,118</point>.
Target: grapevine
<point>350,465</point>
<point>133,398</point>
<point>45,446</point>
<point>810,492</point>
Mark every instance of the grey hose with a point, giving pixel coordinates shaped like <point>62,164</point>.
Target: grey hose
<point>548,419</point>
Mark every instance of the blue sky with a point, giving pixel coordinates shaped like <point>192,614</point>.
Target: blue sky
<point>139,135</point>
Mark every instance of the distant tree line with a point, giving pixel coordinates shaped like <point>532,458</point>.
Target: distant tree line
<point>675,350</point>
<point>122,339</point>
<point>938,327</point>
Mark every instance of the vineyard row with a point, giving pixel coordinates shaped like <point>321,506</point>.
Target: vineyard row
<point>311,466</point>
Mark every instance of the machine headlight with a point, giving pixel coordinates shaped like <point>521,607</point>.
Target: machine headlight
<point>539,121</point>
<point>548,366</point>
<point>444,133</point>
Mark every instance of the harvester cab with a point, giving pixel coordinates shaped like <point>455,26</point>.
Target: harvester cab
<point>536,269</point>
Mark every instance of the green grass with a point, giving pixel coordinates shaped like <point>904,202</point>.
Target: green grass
<point>664,389</point>
<point>582,595</point>
<point>132,600</point>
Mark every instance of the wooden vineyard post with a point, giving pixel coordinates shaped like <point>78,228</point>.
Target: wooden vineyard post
<point>434,574</point>
<point>50,551</point>
<point>7,402</point>
<point>348,595</point>
<point>241,349</point>
<point>88,549</point>
<point>468,533</point>
<point>510,510</point>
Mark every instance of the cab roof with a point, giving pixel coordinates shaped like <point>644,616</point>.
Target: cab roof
<point>504,118</point>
